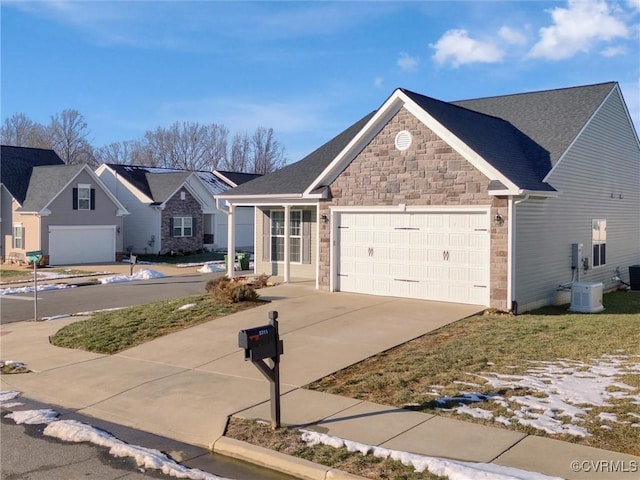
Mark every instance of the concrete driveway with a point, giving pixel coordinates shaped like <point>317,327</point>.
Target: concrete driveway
<point>185,385</point>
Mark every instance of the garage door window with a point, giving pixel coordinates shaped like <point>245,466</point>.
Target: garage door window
<point>182,226</point>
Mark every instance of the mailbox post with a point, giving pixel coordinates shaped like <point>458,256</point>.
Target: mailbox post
<point>262,343</point>
<point>133,259</point>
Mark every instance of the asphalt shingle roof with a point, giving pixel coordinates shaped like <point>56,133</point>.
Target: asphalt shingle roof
<point>158,182</point>
<point>522,136</point>
<point>497,141</point>
<point>295,178</point>
<point>46,182</point>
<point>551,118</point>
<point>16,164</point>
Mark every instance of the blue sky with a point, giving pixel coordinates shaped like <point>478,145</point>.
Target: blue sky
<point>307,69</point>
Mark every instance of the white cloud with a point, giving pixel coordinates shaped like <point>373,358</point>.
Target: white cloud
<point>613,51</point>
<point>576,29</point>
<point>378,81</point>
<point>407,63</point>
<point>634,4</point>
<point>512,36</point>
<point>456,47</point>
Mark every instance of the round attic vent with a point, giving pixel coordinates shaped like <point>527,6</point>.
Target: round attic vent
<point>403,140</point>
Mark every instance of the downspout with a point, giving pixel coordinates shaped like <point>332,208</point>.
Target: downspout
<point>511,248</point>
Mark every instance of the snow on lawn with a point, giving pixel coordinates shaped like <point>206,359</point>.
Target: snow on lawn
<point>74,431</point>
<point>453,469</point>
<point>559,394</point>
<point>219,266</point>
<point>144,274</point>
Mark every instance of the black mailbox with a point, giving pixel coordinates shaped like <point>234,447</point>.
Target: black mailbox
<point>260,342</point>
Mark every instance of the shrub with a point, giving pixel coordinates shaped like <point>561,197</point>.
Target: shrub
<point>243,293</point>
<point>225,290</point>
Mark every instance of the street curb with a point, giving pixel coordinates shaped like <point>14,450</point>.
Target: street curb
<point>280,462</point>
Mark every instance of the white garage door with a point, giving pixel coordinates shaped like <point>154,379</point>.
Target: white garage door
<point>82,244</point>
<point>431,256</point>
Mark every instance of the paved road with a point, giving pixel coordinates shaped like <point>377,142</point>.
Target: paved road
<point>29,455</point>
<point>15,308</point>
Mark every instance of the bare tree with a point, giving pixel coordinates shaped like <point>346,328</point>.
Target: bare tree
<point>267,153</point>
<point>186,145</point>
<point>117,152</point>
<point>239,157</point>
<point>68,132</point>
<point>20,131</point>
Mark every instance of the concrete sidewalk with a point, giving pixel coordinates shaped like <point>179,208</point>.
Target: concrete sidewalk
<point>186,385</point>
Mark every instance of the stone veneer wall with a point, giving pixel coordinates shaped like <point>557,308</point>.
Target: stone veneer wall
<point>175,207</point>
<point>430,172</point>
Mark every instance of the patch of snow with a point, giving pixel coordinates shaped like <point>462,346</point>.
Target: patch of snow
<point>56,317</point>
<point>144,274</point>
<point>74,431</point>
<point>187,306</point>
<point>454,470</point>
<point>33,417</point>
<point>475,412</point>
<point>560,393</point>
<point>608,417</point>
<point>212,267</point>
<point>8,395</point>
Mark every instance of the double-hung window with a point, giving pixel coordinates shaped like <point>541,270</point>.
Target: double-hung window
<point>18,235</point>
<point>182,227</point>
<point>277,235</point>
<point>84,197</point>
<point>599,233</point>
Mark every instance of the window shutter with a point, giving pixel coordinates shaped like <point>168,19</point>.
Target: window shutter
<point>24,243</point>
<point>193,226</point>
<point>306,236</point>
<point>93,199</point>
<point>266,237</point>
<point>75,198</point>
<point>171,234</point>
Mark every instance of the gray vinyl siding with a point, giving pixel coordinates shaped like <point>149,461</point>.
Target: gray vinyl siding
<point>62,212</point>
<point>603,161</point>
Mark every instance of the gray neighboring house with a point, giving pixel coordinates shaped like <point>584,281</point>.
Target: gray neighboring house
<point>174,210</point>
<point>477,201</point>
<point>63,210</point>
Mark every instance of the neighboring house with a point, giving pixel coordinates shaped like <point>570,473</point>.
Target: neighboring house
<point>174,210</point>
<point>63,210</point>
<point>477,201</point>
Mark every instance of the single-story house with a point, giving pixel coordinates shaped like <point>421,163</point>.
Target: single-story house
<point>63,210</point>
<point>500,201</point>
<point>174,210</point>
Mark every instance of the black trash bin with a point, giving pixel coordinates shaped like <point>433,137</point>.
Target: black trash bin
<point>634,277</point>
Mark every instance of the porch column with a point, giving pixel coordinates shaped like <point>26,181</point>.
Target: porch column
<point>231,242</point>
<point>287,242</point>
